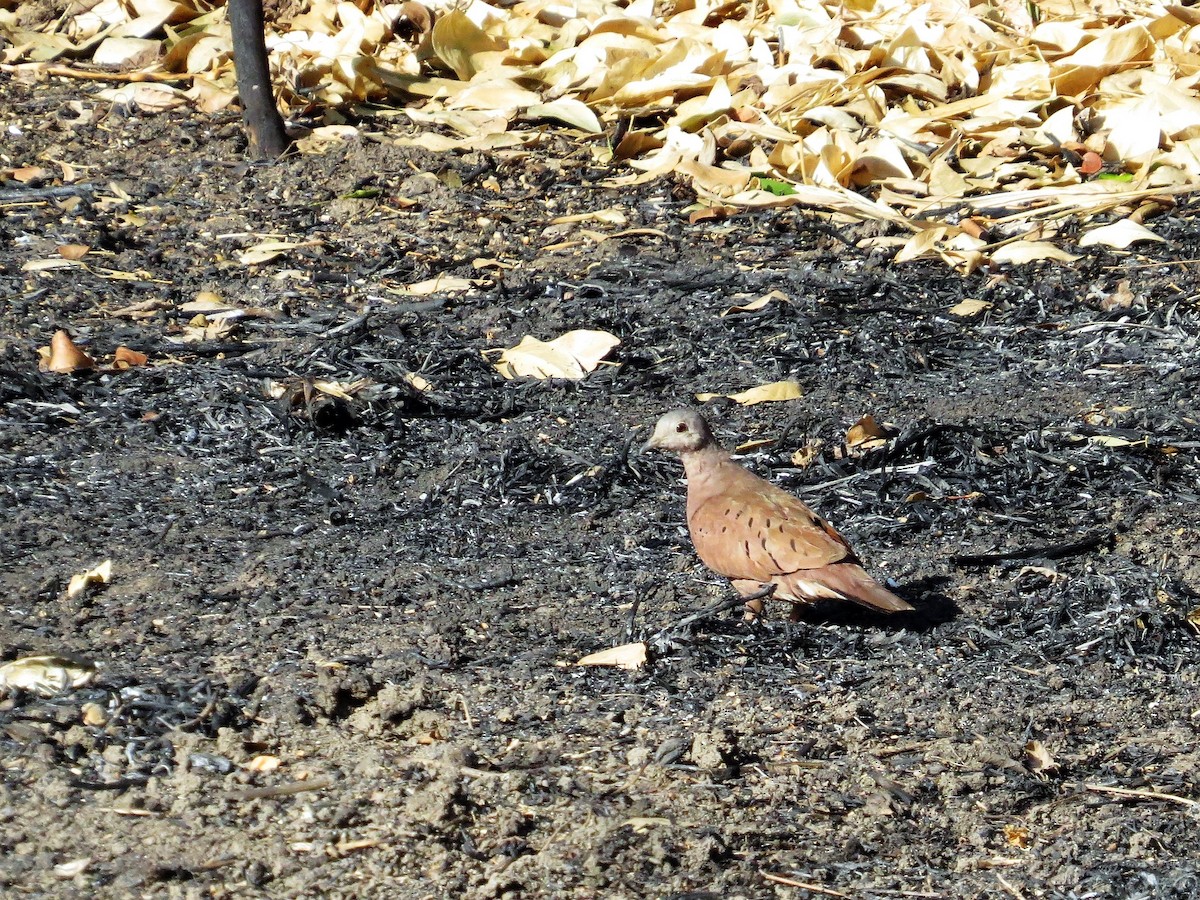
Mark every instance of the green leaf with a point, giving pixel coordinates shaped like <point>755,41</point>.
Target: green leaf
<point>775,186</point>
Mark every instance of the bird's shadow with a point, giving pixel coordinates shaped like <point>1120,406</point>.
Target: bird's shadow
<point>933,607</point>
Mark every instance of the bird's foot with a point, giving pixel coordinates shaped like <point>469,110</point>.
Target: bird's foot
<point>754,604</point>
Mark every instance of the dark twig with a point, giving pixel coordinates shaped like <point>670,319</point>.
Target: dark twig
<point>633,611</point>
<point>1047,551</point>
<point>282,790</point>
<point>733,603</point>
<point>33,195</point>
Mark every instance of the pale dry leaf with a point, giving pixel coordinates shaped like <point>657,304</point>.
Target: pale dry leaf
<point>72,868</point>
<point>840,106</point>
<point>461,44</point>
<point>263,764</point>
<point>418,382</point>
<point>205,302</point>
<point>757,304</point>
<point>643,824</point>
<point>125,52</point>
<point>342,390</point>
<point>921,245</point>
<point>146,97</point>
<point>1020,252</point>
<point>608,216</point>
<point>442,284</point>
<point>1134,128</point>
<point>1038,758</point>
<point>46,675</point>
<point>200,329</point>
<point>266,251</point>
<point>753,444</point>
<point>497,97</point>
<point>571,356</point>
<point>968,309</point>
<point>24,174</point>
<point>1109,50</point>
<point>81,581</point>
<point>1048,573</point>
<point>626,656</point>
<point>326,137</point>
<point>569,111</point>
<point>1112,440</point>
<point>774,392</point>
<point>48,264</point>
<point>1120,235</point>
<point>483,262</point>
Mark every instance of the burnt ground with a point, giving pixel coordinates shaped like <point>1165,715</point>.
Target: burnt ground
<point>388,596</point>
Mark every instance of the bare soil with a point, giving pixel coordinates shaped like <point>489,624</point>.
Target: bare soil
<point>388,596</point>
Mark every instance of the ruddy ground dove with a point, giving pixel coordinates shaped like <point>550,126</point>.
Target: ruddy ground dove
<point>757,534</point>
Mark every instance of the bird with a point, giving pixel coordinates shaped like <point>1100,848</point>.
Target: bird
<point>766,541</point>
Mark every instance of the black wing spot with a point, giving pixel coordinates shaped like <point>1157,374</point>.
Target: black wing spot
<point>792,542</point>
<point>767,524</point>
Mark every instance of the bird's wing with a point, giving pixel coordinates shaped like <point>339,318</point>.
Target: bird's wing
<point>752,529</point>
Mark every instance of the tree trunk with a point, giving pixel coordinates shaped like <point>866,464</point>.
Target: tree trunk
<point>263,122</point>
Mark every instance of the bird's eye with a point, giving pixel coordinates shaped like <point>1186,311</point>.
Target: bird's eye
<point>681,427</point>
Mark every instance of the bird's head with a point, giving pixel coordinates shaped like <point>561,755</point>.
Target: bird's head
<point>680,431</point>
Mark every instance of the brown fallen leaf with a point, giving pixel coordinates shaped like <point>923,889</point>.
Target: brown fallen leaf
<point>63,355</point>
<point>93,714</point>
<point>707,213</point>
<point>1121,298</point>
<point>1091,163</point>
<point>73,251</point>
<point>125,358</point>
<point>806,455</point>
<point>1017,836</point>
<point>26,174</point>
<point>867,434</point>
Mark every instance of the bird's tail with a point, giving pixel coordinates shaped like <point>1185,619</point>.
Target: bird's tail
<point>842,581</point>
